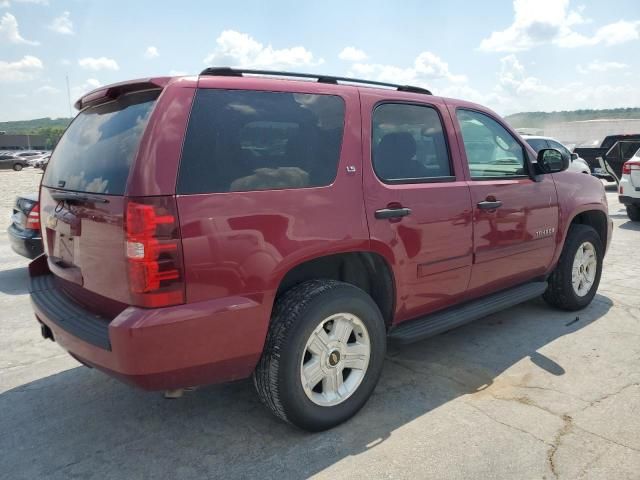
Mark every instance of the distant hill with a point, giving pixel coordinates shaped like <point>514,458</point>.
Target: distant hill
<point>541,119</point>
<point>34,126</point>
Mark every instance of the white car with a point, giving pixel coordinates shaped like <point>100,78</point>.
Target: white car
<point>538,143</point>
<point>629,188</point>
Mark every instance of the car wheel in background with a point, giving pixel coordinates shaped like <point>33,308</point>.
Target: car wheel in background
<point>17,167</point>
<point>633,212</point>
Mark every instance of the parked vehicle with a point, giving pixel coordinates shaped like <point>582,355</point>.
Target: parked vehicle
<point>24,231</point>
<point>576,164</point>
<point>11,161</point>
<point>615,150</point>
<point>284,229</point>
<point>629,188</point>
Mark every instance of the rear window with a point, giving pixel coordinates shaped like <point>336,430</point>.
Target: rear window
<point>96,152</point>
<point>240,140</point>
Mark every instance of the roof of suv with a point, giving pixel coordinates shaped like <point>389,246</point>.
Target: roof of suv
<point>256,79</point>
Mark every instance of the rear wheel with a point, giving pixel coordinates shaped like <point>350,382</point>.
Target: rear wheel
<point>323,354</point>
<point>574,282</point>
<point>17,167</point>
<point>633,212</point>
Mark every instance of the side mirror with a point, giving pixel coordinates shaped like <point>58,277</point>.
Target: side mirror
<point>574,156</point>
<point>551,160</point>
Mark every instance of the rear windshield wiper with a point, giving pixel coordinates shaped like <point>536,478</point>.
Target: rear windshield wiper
<point>78,197</point>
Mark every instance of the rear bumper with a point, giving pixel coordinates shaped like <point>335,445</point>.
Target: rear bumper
<point>627,200</point>
<point>27,243</point>
<point>156,349</point>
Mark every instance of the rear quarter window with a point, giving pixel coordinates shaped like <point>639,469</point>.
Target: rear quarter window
<point>240,140</point>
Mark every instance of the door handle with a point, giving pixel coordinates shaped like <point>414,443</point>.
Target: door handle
<point>489,205</point>
<point>392,213</point>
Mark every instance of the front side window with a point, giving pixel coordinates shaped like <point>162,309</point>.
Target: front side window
<point>491,150</point>
<point>241,140</point>
<point>409,144</point>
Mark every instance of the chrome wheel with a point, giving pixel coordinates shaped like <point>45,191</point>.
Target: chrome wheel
<point>335,359</point>
<point>585,266</point>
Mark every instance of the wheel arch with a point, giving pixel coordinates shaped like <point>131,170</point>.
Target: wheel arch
<point>594,217</point>
<point>366,270</point>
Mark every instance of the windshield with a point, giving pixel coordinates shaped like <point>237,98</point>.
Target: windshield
<point>96,152</point>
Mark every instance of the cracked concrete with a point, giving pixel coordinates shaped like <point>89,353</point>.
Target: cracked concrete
<point>529,393</point>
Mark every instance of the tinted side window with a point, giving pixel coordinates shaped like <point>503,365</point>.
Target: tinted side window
<point>408,143</point>
<point>239,140</point>
<point>537,143</point>
<point>491,150</point>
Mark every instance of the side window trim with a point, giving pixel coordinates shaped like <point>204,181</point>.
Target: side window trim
<point>404,181</point>
<point>525,154</point>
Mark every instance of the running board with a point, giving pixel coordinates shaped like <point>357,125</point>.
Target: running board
<point>438,322</point>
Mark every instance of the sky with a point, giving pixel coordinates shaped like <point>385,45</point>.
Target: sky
<point>513,56</point>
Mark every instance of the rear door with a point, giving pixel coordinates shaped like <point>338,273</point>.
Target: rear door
<point>417,202</point>
<point>515,218</point>
<point>82,195</point>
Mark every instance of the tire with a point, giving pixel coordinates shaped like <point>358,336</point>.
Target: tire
<point>633,212</point>
<point>17,167</point>
<point>561,292</point>
<point>297,315</point>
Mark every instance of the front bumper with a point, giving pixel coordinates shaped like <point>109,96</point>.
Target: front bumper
<point>27,243</point>
<point>155,349</point>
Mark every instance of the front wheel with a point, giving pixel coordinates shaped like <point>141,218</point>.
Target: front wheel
<point>633,212</point>
<point>323,354</point>
<point>17,167</point>
<point>574,282</point>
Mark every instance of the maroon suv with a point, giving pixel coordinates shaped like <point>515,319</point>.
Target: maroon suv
<point>209,228</point>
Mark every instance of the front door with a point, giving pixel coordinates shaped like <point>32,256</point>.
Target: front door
<point>417,201</point>
<point>515,217</point>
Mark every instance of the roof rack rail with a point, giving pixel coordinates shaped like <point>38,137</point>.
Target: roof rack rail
<point>239,72</point>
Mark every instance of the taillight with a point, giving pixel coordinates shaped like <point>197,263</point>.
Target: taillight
<point>154,252</point>
<point>33,219</point>
<point>628,166</point>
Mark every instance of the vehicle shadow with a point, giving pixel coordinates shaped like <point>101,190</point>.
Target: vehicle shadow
<point>80,423</point>
<point>630,226</point>
<point>14,281</point>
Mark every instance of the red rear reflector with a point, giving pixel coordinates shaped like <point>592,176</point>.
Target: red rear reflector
<point>33,219</point>
<point>154,252</point>
<point>628,166</point>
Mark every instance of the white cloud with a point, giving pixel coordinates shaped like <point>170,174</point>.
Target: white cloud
<point>47,90</point>
<point>426,68</point>
<point>177,73</point>
<point>151,52</point>
<point>98,63</point>
<point>62,24</point>
<point>551,21</point>
<point>236,49</point>
<point>10,32</point>
<point>20,70</point>
<point>599,66</point>
<point>517,91</point>
<point>7,3</point>
<point>352,54</point>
